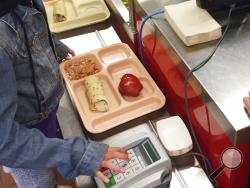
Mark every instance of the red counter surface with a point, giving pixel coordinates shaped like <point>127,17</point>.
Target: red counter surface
<point>164,66</point>
<point>211,136</point>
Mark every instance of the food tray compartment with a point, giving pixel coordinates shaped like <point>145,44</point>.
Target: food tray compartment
<point>124,114</point>
<point>70,11</point>
<point>90,8</point>
<point>117,70</point>
<point>92,62</point>
<point>130,66</point>
<point>121,108</point>
<point>78,13</point>
<point>146,91</point>
<point>85,2</point>
<point>79,90</point>
<point>114,54</point>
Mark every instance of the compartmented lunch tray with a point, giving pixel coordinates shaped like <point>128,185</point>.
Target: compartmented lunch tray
<point>114,61</point>
<point>74,13</point>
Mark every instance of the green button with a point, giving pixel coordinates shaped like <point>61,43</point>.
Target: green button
<point>110,183</point>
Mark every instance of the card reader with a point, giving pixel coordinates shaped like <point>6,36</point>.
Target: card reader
<point>149,165</point>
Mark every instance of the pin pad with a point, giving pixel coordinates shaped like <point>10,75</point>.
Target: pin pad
<point>141,156</point>
<point>148,162</point>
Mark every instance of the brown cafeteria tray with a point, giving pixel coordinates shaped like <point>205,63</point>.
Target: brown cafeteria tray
<point>115,61</point>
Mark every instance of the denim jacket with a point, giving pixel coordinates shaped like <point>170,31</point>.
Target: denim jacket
<point>21,147</point>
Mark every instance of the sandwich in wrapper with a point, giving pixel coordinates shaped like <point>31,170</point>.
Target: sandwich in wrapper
<point>59,11</point>
<point>95,93</point>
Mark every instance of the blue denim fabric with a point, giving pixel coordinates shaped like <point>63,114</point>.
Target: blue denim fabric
<point>21,147</point>
<point>30,178</point>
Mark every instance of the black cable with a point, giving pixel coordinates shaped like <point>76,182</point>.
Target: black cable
<point>197,67</point>
<point>197,154</point>
<point>31,63</point>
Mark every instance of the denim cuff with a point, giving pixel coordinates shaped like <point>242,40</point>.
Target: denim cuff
<point>91,160</point>
<point>62,51</point>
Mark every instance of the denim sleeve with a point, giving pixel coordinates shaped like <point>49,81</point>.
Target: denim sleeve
<point>61,49</point>
<point>21,147</point>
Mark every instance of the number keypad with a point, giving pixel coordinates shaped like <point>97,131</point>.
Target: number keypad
<point>131,167</point>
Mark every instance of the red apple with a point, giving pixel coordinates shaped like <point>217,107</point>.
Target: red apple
<point>130,85</point>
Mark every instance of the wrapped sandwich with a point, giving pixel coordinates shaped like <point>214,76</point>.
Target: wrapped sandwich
<point>59,11</point>
<point>95,93</point>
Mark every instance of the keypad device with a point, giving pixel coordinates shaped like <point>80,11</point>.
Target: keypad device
<point>140,156</point>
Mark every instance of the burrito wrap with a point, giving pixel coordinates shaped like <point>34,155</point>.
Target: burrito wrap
<point>95,93</point>
<point>59,11</point>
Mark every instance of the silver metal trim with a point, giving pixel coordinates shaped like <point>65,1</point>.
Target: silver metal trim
<point>100,38</point>
<point>223,82</point>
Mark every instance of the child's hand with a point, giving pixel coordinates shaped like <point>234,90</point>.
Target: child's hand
<point>112,153</point>
<point>246,101</point>
<point>70,54</point>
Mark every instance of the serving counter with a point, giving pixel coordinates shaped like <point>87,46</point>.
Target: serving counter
<point>71,124</point>
<point>215,92</point>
